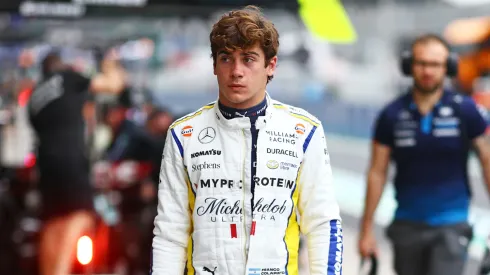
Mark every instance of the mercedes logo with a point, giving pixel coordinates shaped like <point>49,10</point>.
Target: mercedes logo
<point>207,135</point>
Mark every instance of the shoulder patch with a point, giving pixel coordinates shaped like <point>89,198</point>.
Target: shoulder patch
<point>192,115</point>
<point>298,113</point>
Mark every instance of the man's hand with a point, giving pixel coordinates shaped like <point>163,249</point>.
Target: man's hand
<point>367,244</point>
<point>111,79</point>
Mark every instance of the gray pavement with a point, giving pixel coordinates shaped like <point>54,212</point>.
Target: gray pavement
<point>351,260</point>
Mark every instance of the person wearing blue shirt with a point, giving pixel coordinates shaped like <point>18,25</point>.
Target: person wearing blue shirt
<point>428,133</point>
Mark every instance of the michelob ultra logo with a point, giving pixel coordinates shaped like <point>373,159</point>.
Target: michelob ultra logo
<point>187,131</point>
<point>300,128</point>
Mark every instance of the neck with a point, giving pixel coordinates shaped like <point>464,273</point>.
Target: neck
<point>251,102</point>
<point>426,101</point>
<point>230,112</point>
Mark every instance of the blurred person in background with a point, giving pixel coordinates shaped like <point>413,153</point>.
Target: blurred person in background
<point>143,107</point>
<point>157,125</point>
<point>132,142</point>
<point>138,147</point>
<point>56,114</point>
<point>130,139</point>
<point>236,172</point>
<point>428,133</point>
<point>123,130</point>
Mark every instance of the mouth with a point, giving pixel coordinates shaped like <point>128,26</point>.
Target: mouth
<point>236,86</point>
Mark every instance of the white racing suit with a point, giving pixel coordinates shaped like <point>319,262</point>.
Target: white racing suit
<point>206,220</point>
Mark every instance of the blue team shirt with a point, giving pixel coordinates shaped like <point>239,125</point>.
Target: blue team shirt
<point>431,153</point>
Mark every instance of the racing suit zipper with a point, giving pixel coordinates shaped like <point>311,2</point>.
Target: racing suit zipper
<point>244,228</point>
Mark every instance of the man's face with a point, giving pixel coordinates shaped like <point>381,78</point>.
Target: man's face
<point>115,117</point>
<point>161,123</point>
<point>242,76</point>
<point>429,66</point>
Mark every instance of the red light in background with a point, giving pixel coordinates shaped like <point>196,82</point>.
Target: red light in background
<point>24,96</point>
<point>30,160</point>
<point>84,250</point>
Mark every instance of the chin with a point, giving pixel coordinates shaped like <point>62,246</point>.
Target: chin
<point>236,97</point>
<point>428,89</point>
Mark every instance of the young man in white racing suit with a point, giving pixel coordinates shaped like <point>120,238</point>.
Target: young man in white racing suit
<point>242,177</point>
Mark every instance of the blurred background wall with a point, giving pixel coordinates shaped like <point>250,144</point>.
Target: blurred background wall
<point>339,83</point>
<point>164,45</point>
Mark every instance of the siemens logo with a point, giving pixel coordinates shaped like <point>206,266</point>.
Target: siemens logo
<point>205,165</point>
<point>211,152</point>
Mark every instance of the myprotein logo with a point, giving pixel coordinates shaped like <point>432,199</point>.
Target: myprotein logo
<point>276,151</point>
<point>274,182</point>
<point>205,166</point>
<point>211,152</point>
<point>187,131</point>
<point>219,183</point>
<point>259,112</point>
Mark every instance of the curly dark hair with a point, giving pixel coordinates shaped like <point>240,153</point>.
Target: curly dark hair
<point>241,29</point>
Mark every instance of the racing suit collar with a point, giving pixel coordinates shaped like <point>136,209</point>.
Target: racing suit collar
<point>255,111</point>
<point>244,122</point>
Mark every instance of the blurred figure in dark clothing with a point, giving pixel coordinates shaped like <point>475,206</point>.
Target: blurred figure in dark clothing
<point>144,146</point>
<point>56,114</point>
<point>157,126</point>
<point>143,106</point>
<point>129,140</point>
<point>158,122</point>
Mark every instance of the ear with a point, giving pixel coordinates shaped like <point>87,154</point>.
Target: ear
<point>214,68</point>
<point>271,67</point>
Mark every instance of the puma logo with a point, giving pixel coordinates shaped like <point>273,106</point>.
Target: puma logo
<point>209,270</point>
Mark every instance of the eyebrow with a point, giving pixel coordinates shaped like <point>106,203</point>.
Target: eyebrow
<point>242,54</point>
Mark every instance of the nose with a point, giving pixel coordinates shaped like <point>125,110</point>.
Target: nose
<point>430,73</point>
<point>428,69</point>
<point>237,70</point>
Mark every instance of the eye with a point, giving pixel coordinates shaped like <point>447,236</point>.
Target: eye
<point>224,58</point>
<point>248,59</point>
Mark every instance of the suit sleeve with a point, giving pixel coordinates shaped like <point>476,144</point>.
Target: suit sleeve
<point>319,210</point>
<point>173,220</point>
